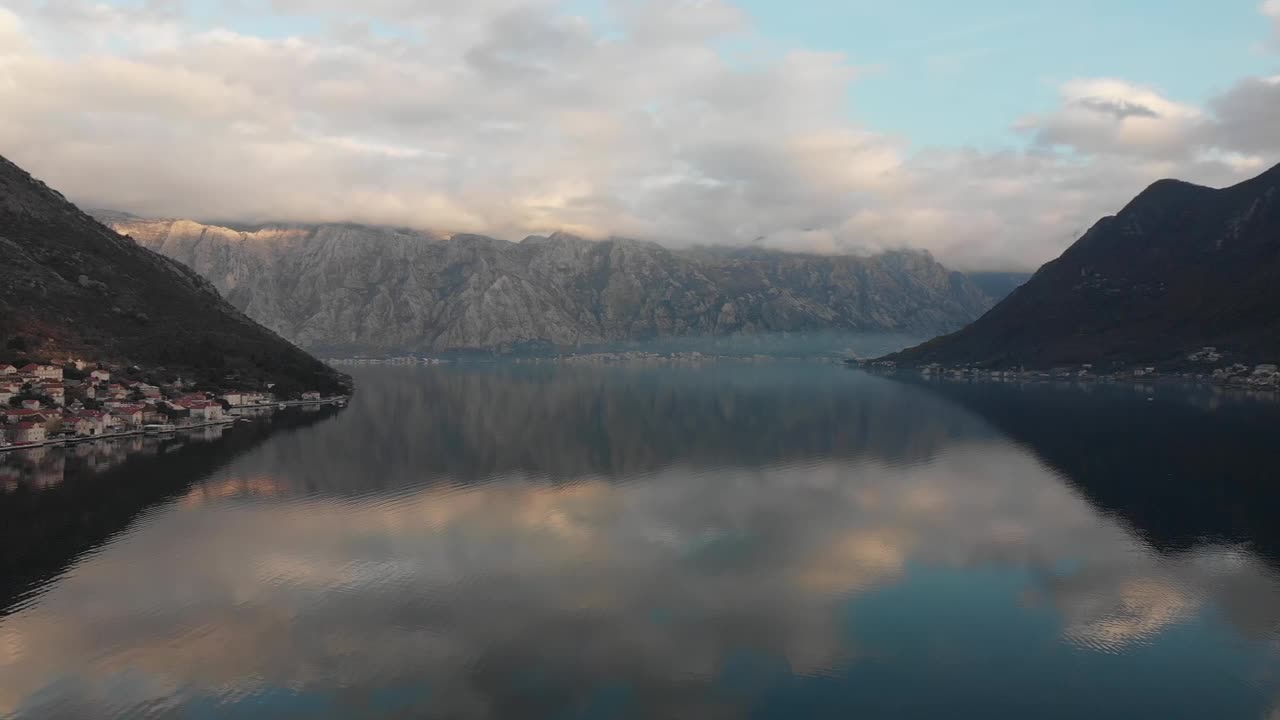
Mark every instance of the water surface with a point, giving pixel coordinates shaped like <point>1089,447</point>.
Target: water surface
<point>772,541</point>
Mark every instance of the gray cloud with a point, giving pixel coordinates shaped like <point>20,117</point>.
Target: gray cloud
<point>1249,116</point>
<point>513,116</point>
<point>1118,108</point>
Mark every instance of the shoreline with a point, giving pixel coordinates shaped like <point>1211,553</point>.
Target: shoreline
<point>1074,376</point>
<point>67,442</point>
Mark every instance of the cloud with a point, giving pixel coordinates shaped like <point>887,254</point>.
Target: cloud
<point>1271,8</point>
<point>12,35</point>
<point>1108,116</point>
<point>512,117</point>
<point>1120,108</point>
<point>1247,117</point>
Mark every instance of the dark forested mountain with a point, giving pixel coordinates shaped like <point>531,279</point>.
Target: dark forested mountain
<point>1180,268</point>
<point>359,289</point>
<point>69,285</point>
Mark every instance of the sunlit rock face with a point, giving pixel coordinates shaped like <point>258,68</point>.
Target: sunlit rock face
<point>359,288</point>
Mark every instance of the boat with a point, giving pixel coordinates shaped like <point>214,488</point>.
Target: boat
<point>282,406</point>
<point>159,429</point>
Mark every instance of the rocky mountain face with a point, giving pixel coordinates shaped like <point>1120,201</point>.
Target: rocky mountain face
<point>1180,268</point>
<point>358,289</point>
<point>69,285</point>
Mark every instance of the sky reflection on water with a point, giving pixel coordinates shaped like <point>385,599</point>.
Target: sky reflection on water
<point>721,542</point>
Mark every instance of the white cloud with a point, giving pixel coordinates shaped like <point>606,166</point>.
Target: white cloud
<point>12,34</point>
<point>1271,8</point>
<point>515,116</point>
<point>1111,116</point>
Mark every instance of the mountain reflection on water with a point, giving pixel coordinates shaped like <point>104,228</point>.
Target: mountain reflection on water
<point>730,541</point>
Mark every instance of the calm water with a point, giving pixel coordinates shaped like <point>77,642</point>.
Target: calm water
<point>734,541</point>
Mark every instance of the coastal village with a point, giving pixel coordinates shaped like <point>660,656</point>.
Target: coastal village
<point>1204,366</point>
<point>43,404</point>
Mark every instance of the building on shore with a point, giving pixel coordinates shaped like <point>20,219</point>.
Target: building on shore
<point>27,433</point>
<point>89,423</point>
<point>42,372</point>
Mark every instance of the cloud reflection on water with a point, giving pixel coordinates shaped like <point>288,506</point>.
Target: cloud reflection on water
<point>527,589</point>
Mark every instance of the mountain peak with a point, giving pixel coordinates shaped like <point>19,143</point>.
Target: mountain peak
<point>1164,193</point>
<point>1180,268</point>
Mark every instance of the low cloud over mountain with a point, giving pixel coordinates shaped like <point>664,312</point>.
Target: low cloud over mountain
<point>675,120</point>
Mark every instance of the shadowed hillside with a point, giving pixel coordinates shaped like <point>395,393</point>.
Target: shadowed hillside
<point>71,286</point>
<point>1180,268</point>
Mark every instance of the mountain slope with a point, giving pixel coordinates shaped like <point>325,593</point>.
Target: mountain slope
<point>350,288</point>
<point>1179,268</point>
<point>69,285</point>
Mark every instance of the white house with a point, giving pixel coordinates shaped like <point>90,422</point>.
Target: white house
<point>43,372</point>
<point>100,375</point>
<point>28,432</point>
<point>130,415</point>
<point>90,423</point>
<point>8,370</point>
<point>203,410</point>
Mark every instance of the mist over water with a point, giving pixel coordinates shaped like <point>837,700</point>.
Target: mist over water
<point>775,540</point>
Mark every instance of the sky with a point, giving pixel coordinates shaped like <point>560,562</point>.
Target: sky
<point>990,133</point>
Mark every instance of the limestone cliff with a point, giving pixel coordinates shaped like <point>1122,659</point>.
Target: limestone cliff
<point>349,288</point>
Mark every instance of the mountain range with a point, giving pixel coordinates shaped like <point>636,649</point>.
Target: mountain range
<point>1180,268</point>
<point>71,286</point>
<point>353,289</point>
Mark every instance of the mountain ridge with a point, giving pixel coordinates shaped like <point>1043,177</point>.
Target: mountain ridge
<point>70,285</point>
<point>1179,268</point>
<point>345,288</point>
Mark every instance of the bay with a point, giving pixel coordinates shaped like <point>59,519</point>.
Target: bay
<point>721,541</point>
